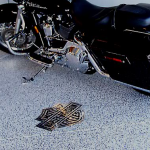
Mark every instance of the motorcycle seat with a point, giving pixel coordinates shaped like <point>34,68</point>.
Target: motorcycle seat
<point>86,14</point>
<point>122,17</point>
<point>133,17</point>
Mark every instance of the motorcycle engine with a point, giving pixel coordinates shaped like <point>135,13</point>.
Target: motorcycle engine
<point>61,50</point>
<point>76,59</point>
<point>69,56</point>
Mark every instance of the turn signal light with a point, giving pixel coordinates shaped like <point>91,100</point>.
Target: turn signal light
<point>36,29</point>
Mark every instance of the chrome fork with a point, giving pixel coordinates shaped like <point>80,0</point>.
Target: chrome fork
<point>19,21</point>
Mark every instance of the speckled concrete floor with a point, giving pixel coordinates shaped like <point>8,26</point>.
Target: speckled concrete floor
<point>116,117</point>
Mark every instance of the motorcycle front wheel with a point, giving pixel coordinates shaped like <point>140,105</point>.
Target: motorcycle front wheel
<point>24,43</point>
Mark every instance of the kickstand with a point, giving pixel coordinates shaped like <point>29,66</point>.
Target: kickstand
<point>32,78</point>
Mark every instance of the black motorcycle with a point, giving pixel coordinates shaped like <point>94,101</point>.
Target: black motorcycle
<point>113,41</point>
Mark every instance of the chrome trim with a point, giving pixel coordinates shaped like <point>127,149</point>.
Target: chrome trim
<point>40,62</point>
<point>14,12</point>
<point>96,66</point>
<point>115,53</point>
<point>128,30</point>
<point>19,19</point>
<point>128,60</point>
<point>93,62</point>
<point>61,51</point>
<point>35,5</point>
<point>39,32</point>
<point>36,46</point>
<point>41,39</point>
<point>12,51</point>
<point>23,22</point>
<point>135,87</point>
<point>34,18</point>
<point>120,55</point>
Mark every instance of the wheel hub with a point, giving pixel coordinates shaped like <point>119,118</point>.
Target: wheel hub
<point>19,42</point>
<point>23,42</point>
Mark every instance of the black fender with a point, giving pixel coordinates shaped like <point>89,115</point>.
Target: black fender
<point>8,12</point>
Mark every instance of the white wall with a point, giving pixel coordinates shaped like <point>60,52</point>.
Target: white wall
<point>131,1</point>
<point>11,1</point>
<point>104,3</point>
<point>3,1</point>
<point>107,3</point>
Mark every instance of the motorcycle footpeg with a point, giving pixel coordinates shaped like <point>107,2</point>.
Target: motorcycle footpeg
<point>41,60</point>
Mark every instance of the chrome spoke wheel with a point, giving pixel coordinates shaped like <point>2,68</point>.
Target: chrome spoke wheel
<point>23,42</point>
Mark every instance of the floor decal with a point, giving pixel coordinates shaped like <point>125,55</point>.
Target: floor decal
<point>60,116</point>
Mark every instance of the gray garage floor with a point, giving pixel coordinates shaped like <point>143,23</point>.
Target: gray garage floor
<point>116,117</point>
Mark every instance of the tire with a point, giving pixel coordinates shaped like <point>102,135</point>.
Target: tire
<point>24,43</point>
